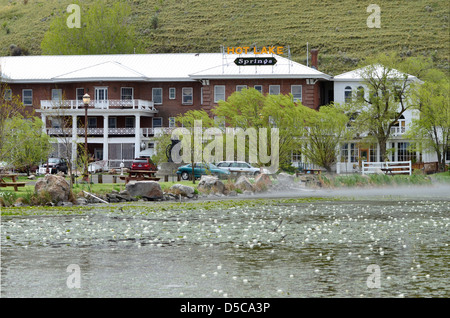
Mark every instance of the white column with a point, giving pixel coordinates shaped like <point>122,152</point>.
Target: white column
<point>74,141</point>
<point>44,120</point>
<point>105,138</point>
<point>137,140</point>
<point>338,160</point>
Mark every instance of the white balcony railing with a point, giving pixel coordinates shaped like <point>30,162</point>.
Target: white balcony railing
<point>137,104</point>
<point>145,132</point>
<point>397,131</point>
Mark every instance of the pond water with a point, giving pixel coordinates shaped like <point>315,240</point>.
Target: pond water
<point>373,246</point>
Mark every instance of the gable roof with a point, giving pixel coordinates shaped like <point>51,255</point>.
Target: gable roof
<point>356,75</point>
<point>144,67</point>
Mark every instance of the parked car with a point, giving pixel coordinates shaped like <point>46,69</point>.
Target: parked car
<point>55,165</point>
<point>143,164</point>
<point>201,169</point>
<point>240,167</point>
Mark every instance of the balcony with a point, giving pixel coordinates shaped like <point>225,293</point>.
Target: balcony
<point>99,132</point>
<point>135,104</point>
<point>397,131</point>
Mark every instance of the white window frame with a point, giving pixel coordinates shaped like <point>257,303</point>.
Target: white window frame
<point>92,122</point>
<point>110,120</point>
<point>153,122</point>
<point>134,122</point>
<point>217,96</point>
<point>240,87</point>
<point>172,122</point>
<point>260,88</point>
<point>187,95</point>
<point>154,89</point>
<point>273,87</point>
<point>201,95</point>
<point>77,96</point>
<point>122,95</point>
<point>8,94</point>
<point>347,94</point>
<point>28,97</point>
<point>172,93</point>
<point>297,97</point>
<point>58,92</point>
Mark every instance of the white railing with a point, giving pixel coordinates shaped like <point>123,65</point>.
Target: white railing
<point>391,167</point>
<point>138,104</point>
<point>145,132</point>
<point>397,131</point>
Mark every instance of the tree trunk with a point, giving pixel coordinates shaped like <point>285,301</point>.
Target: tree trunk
<point>383,149</point>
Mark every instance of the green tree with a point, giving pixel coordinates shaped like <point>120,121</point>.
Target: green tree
<point>389,96</point>
<point>26,144</point>
<point>105,29</point>
<point>431,129</point>
<point>324,130</point>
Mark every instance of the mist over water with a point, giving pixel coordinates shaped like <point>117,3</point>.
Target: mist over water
<point>320,248</point>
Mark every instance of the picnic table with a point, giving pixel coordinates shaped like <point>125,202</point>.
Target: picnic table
<point>312,171</point>
<point>387,171</point>
<point>14,183</point>
<point>140,175</point>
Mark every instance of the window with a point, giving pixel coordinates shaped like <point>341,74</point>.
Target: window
<point>373,153</point>
<point>172,93</point>
<point>259,88</point>
<point>80,94</point>
<point>219,121</point>
<point>56,94</point>
<point>157,122</point>
<point>187,95</point>
<point>112,122</point>
<point>8,94</point>
<point>157,96</point>
<point>360,93</point>
<point>92,122</point>
<point>240,87</point>
<point>27,97</point>
<point>172,122</point>
<point>296,156</point>
<point>296,91</point>
<point>129,122</point>
<point>349,152</point>
<point>348,94</point>
<point>201,95</point>
<point>56,122</point>
<point>219,93</point>
<point>126,93</point>
<point>274,90</point>
<point>403,152</point>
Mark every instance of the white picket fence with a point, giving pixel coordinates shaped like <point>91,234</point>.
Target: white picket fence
<point>391,167</point>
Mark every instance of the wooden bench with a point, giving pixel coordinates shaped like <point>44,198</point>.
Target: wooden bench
<point>12,184</point>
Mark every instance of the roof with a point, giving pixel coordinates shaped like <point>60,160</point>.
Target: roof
<point>356,75</point>
<point>145,67</point>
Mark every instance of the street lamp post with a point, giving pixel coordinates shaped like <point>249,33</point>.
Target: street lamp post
<point>86,100</point>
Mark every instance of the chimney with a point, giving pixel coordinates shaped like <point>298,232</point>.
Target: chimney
<point>314,53</point>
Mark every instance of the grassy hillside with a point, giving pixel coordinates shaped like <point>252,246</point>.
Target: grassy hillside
<point>336,27</point>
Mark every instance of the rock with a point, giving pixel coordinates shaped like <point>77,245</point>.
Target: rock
<point>61,203</point>
<point>262,182</point>
<point>147,189</point>
<point>244,184</point>
<point>32,177</point>
<point>210,184</point>
<point>184,190</point>
<point>56,186</point>
<point>82,201</point>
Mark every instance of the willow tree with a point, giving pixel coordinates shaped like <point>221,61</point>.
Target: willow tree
<point>388,95</point>
<point>104,28</point>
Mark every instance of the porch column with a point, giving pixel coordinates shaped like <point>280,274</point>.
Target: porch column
<point>137,134</point>
<point>338,160</point>
<point>378,153</point>
<point>74,141</point>
<point>44,120</point>
<point>105,138</point>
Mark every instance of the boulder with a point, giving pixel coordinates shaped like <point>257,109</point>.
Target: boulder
<point>147,189</point>
<point>244,184</point>
<point>210,184</point>
<point>56,186</point>
<point>262,182</point>
<point>183,190</point>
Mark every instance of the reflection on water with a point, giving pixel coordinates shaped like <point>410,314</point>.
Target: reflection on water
<point>320,249</point>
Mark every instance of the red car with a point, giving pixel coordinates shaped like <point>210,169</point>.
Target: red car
<point>143,164</point>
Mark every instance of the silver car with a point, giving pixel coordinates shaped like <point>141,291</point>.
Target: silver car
<point>238,167</point>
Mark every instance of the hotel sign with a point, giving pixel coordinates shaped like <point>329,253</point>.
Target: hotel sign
<point>252,61</point>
